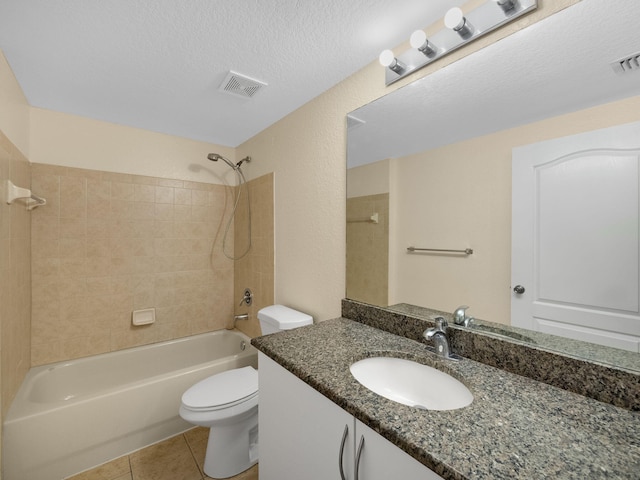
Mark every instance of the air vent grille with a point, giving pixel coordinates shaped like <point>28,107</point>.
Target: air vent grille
<point>241,85</point>
<point>627,64</point>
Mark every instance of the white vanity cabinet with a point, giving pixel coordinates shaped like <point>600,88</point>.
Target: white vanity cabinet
<point>304,435</point>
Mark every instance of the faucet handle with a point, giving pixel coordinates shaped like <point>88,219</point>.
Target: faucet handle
<point>441,324</point>
<point>460,312</point>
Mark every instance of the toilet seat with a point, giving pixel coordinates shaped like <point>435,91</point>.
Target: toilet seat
<point>223,390</point>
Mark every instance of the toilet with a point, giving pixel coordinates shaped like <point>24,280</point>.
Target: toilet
<point>227,404</point>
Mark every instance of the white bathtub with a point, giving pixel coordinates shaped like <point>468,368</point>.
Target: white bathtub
<point>71,416</point>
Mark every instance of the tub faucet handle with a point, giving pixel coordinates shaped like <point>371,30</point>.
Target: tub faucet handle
<point>247,297</point>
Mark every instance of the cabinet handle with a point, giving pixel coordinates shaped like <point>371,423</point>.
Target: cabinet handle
<point>341,455</point>
<point>360,446</point>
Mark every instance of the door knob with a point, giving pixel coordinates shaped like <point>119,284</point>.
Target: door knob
<point>519,289</point>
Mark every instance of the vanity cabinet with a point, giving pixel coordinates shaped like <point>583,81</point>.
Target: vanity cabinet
<point>303,434</point>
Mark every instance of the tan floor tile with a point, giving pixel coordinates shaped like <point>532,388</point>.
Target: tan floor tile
<point>168,460</point>
<point>172,459</point>
<point>198,434</point>
<point>197,439</point>
<point>127,476</point>
<point>117,469</point>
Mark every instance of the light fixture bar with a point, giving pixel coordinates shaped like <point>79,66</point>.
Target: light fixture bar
<point>460,30</point>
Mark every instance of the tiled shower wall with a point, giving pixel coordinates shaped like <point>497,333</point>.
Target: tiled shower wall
<point>107,244</point>
<point>255,270</point>
<point>368,249</point>
<point>15,274</point>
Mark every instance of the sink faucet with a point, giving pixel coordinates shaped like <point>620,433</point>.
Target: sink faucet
<point>438,335</point>
<point>460,317</point>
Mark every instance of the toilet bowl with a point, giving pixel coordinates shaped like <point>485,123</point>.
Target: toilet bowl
<point>227,404</point>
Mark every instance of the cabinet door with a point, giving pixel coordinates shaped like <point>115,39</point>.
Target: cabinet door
<point>382,460</point>
<point>301,431</point>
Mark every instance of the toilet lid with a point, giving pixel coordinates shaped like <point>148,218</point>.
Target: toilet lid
<point>222,389</point>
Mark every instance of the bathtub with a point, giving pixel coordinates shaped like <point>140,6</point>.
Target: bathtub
<point>71,416</point>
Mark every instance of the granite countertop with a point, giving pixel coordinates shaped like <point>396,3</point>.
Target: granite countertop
<point>516,428</point>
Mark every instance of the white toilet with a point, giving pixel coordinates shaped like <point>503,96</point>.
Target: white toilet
<point>227,403</point>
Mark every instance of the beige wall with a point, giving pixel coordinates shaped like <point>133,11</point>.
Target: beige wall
<point>307,152</point>
<point>370,179</point>
<point>14,109</point>
<point>464,193</point>
<point>73,141</point>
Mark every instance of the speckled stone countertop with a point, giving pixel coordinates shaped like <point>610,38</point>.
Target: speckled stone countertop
<point>599,379</point>
<point>516,428</point>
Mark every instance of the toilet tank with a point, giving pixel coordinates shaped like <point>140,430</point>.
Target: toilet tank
<point>276,318</point>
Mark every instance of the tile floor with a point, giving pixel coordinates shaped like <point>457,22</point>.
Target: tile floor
<point>178,458</point>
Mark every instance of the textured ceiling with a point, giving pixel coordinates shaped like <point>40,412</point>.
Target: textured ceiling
<point>559,65</point>
<point>157,64</point>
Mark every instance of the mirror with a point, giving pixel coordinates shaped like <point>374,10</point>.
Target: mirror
<point>429,165</point>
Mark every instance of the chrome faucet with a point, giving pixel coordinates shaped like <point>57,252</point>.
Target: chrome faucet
<point>438,335</point>
<point>460,316</point>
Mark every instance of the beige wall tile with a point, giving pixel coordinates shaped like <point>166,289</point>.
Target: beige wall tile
<point>255,270</point>
<point>119,243</point>
<point>168,182</point>
<point>165,195</point>
<point>15,273</point>
<point>144,193</point>
<point>182,196</point>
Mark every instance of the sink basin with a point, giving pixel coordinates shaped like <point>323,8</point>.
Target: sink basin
<point>411,383</point>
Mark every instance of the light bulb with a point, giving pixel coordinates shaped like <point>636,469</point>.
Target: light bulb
<point>418,40</point>
<point>454,20</point>
<point>387,58</point>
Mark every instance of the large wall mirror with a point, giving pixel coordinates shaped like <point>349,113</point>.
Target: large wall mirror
<point>430,165</point>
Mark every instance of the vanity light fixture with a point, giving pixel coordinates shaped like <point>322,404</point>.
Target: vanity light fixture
<point>459,29</point>
<point>456,21</point>
<point>389,60</point>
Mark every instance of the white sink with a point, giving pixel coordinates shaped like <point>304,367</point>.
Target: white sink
<point>411,383</point>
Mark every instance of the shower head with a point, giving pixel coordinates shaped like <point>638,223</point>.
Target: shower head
<point>215,157</point>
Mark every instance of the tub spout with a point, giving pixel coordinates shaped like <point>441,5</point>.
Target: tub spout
<point>244,316</point>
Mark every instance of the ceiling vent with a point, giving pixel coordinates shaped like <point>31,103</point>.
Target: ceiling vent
<point>628,64</point>
<point>241,85</point>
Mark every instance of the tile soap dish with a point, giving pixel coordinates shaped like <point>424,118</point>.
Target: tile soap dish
<point>143,317</point>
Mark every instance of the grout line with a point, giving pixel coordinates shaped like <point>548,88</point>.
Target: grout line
<point>130,466</point>
<point>193,455</point>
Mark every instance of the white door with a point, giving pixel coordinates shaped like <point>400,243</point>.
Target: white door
<point>575,237</point>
